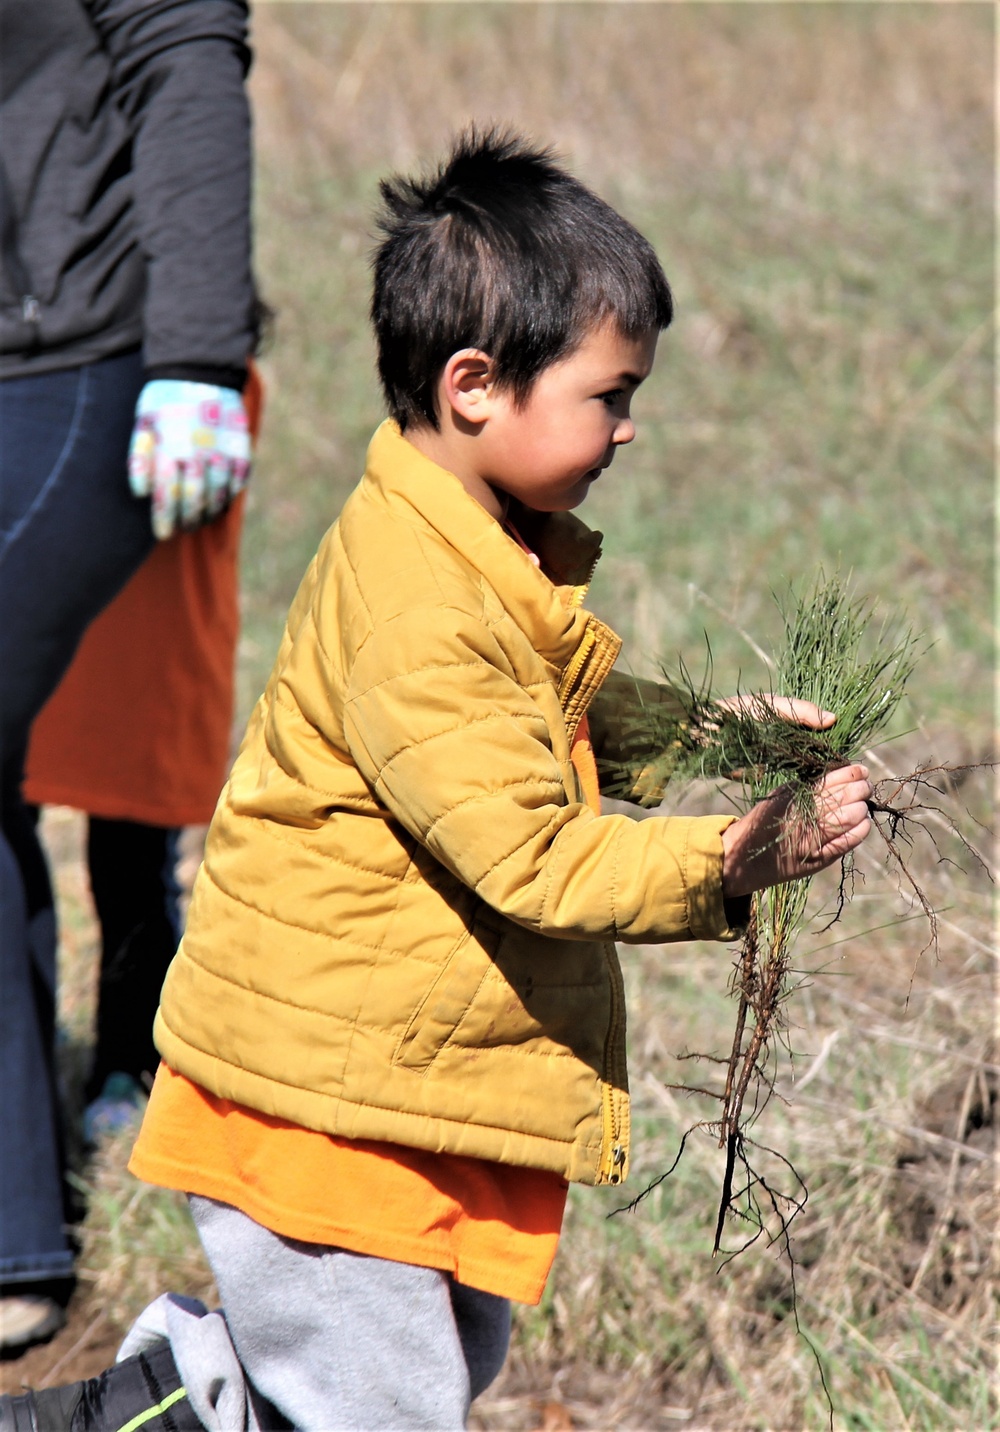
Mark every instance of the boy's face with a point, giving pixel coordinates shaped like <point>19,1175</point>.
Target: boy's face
<point>549,451</point>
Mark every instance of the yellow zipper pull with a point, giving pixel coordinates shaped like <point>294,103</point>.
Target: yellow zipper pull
<point>617,1162</point>
<point>614,1163</point>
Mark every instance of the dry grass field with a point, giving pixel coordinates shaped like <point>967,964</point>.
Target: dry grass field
<point>819,181</point>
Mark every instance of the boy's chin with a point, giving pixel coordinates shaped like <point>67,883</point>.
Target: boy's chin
<point>563,503</point>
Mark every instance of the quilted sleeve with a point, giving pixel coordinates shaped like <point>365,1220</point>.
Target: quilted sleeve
<point>460,754</point>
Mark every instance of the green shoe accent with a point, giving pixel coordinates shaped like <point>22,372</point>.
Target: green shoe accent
<point>152,1412</point>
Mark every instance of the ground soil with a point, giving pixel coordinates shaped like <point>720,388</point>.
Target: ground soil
<point>85,1346</point>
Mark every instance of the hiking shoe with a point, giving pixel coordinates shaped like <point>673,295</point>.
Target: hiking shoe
<point>143,1392</point>
<point>28,1318</point>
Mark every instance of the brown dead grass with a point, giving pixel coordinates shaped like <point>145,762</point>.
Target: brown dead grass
<point>629,88</point>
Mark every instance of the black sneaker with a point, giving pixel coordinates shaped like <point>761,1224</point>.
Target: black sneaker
<point>142,1394</point>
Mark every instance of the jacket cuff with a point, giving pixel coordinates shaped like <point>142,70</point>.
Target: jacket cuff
<point>234,378</point>
<point>710,916</point>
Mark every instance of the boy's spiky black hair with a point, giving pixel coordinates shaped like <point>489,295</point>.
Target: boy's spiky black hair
<point>500,249</point>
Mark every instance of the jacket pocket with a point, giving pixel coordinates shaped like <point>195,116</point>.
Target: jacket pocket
<point>449,998</point>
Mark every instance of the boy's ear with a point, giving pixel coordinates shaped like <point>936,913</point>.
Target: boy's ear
<point>466,384</point>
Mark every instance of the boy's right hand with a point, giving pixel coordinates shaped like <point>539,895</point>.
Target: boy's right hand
<point>771,845</point>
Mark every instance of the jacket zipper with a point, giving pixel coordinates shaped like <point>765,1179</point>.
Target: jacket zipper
<point>614,1149</point>
<point>587,642</point>
<point>613,1162</point>
<point>578,661</point>
<point>580,593</point>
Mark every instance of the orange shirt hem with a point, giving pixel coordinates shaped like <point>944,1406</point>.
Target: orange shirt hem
<point>493,1227</point>
<point>288,1224</point>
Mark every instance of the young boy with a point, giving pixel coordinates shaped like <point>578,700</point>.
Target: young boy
<point>394,1030</point>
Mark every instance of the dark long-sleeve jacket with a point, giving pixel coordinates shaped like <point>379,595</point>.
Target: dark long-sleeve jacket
<point>125,185</point>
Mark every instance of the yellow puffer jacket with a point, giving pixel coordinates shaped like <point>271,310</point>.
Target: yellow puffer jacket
<point>403,926</point>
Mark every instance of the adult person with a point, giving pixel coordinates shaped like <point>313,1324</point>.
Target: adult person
<point>126,306</point>
<point>138,736</point>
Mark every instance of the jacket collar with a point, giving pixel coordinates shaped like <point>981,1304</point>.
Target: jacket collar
<point>545,603</point>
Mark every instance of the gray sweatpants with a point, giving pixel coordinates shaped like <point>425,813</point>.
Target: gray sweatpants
<point>323,1340</point>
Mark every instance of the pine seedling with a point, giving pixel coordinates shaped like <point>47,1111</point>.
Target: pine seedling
<point>834,654</point>
<point>831,655</point>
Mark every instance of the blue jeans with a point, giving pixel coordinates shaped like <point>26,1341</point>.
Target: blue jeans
<point>71,534</point>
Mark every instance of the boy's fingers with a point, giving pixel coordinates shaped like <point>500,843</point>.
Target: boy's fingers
<point>843,787</point>
<point>833,798</point>
<point>845,815</point>
<point>834,842</point>
<point>787,708</point>
<point>843,844</point>
<point>844,773</point>
<point>844,818</point>
<point>801,713</point>
<point>765,847</point>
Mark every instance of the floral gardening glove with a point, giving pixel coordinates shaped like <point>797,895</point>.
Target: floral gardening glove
<point>190,451</point>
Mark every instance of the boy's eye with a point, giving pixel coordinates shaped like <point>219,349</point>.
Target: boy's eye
<point>615,396</point>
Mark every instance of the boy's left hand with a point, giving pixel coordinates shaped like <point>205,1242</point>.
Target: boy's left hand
<point>765,847</point>
<point>773,843</point>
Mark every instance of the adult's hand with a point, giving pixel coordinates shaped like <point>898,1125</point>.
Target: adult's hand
<point>190,452</point>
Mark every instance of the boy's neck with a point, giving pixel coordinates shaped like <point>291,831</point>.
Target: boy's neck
<point>453,448</point>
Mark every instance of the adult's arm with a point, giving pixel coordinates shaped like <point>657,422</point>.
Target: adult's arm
<point>178,72</point>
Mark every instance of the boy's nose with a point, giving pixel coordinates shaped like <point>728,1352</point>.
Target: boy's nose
<point>624,431</point>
